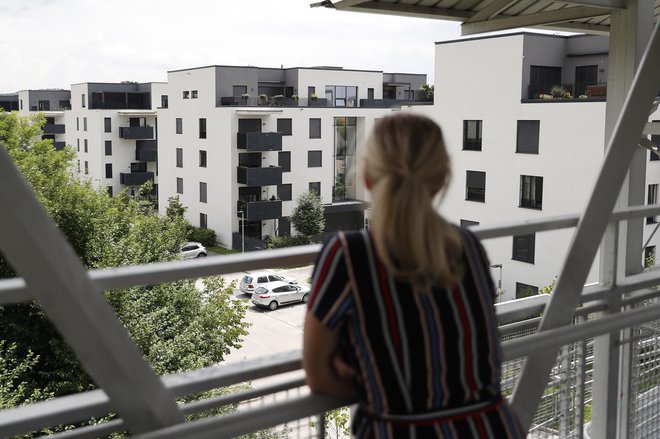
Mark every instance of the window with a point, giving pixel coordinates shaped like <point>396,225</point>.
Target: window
<point>527,139</point>
<point>138,167</point>
<point>108,147</point>
<point>21,104</point>
<point>202,192</point>
<point>77,124</point>
<point>341,95</point>
<point>86,167</point>
<point>44,105</point>
<point>284,160</point>
<point>85,143</point>
<point>316,187</point>
<point>531,191</point>
<point>311,91</point>
<point>107,127</point>
<point>179,157</point>
<point>655,138</point>
<point>84,124</point>
<point>203,220</point>
<point>524,290</point>
<point>652,199</point>
<point>78,166</point>
<point>649,256</point>
<point>202,128</point>
<point>164,101</point>
<point>468,223</point>
<point>78,145</point>
<point>186,95</point>
<point>475,186</point>
<point>284,192</point>
<point>523,248</point>
<point>370,93</point>
<point>202,159</point>
<point>652,155</point>
<point>284,126</point>
<point>193,94</point>
<point>314,128</point>
<point>179,185</point>
<point>179,125</point>
<point>472,135</point>
<point>84,104</point>
<point>108,170</point>
<point>314,159</point>
<point>109,188</point>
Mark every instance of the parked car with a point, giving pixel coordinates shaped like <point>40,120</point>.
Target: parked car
<point>274,294</point>
<point>251,281</point>
<point>191,250</point>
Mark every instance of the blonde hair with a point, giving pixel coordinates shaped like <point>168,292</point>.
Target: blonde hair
<point>407,168</point>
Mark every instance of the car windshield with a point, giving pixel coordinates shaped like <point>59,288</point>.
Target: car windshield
<point>261,290</point>
<point>247,279</point>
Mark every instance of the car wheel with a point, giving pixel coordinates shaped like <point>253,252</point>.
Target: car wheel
<point>201,255</point>
<point>305,298</point>
<point>272,305</point>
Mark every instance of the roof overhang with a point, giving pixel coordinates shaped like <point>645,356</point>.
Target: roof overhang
<point>478,16</point>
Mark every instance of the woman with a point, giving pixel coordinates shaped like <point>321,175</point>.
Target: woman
<point>402,316</point>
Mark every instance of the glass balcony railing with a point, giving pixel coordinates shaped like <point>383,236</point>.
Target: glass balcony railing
<point>260,210</point>
<point>268,176</point>
<point>146,132</point>
<point>259,142</point>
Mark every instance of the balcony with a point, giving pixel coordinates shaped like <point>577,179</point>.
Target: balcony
<point>270,176</point>
<point>254,101</point>
<point>257,142</point>
<point>390,103</point>
<point>129,133</point>
<point>260,210</point>
<point>53,128</point>
<point>59,145</point>
<point>585,92</point>
<point>146,151</point>
<point>135,178</point>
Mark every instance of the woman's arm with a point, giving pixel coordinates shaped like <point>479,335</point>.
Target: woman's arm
<point>321,360</point>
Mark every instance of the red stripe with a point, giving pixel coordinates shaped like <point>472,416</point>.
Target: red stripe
<point>324,272</point>
<point>390,311</point>
<point>468,336</point>
<point>480,427</point>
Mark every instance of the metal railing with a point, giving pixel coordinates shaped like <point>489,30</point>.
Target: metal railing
<point>563,411</point>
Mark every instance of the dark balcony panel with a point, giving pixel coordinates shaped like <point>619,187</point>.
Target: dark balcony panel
<point>146,151</point>
<point>390,103</point>
<point>136,132</point>
<point>270,176</point>
<point>135,178</point>
<point>59,146</point>
<point>53,128</point>
<point>319,102</point>
<point>261,210</point>
<point>256,142</point>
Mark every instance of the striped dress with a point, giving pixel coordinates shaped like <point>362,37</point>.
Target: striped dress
<point>428,361</point>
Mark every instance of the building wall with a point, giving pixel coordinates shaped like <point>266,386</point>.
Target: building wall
<point>320,78</point>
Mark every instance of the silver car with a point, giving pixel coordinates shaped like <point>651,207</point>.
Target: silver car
<point>191,250</point>
<point>252,281</point>
<point>275,294</point>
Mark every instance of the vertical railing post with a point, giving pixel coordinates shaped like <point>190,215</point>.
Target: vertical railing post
<point>320,425</point>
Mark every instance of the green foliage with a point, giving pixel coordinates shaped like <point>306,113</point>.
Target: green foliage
<point>175,209</point>
<point>308,215</point>
<point>547,289</point>
<point>176,326</point>
<point>427,92</point>
<point>650,260</point>
<point>273,241</point>
<point>198,234</point>
<point>337,423</point>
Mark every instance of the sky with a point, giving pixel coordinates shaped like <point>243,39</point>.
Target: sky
<point>56,43</point>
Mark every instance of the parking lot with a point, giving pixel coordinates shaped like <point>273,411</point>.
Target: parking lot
<point>271,331</point>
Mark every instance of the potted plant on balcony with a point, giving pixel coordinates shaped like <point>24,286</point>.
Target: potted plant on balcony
<point>278,99</point>
<point>245,97</point>
<point>313,96</point>
<point>263,99</point>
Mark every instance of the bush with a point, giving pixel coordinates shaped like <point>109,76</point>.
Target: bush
<point>206,237</point>
<point>286,241</point>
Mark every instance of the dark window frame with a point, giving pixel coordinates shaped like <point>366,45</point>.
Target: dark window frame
<point>523,288</point>
<point>528,133</point>
<point>286,167</point>
<point>472,143</point>
<point>179,185</point>
<point>312,187</point>
<point>285,191</point>
<point>108,147</point>
<point>108,170</point>
<point>203,192</point>
<point>524,248</point>
<point>529,184</point>
<point>107,125</point>
<point>203,158</point>
<point>179,125</point>
<point>202,128</point>
<point>285,126</point>
<point>652,198</point>
<point>315,159</point>
<point>474,192</point>
<point>179,157</point>
<point>315,128</point>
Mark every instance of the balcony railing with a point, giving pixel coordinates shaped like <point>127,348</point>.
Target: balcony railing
<point>269,176</point>
<point>258,142</point>
<point>260,210</point>
<point>146,151</point>
<point>59,145</point>
<point>255,101</point>
<point>146,132</point>
<point>566,92</point>
<point>563,411</point>
<point>390,103</point>
<point>53,128</point>
<point>135,178</point>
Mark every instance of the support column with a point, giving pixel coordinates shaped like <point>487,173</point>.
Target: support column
<point>630,30</point>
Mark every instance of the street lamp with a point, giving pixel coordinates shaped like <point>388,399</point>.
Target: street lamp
<point>240,212</point>
<point>499,291</point>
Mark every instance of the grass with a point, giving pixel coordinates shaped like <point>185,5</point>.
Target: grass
<point>221,250</point>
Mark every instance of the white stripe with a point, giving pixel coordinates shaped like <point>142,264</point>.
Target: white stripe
<point>384,320</point>
<point>328,278</point>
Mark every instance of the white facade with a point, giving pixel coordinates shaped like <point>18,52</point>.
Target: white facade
<point>480,79</point>
<point>198,94</point>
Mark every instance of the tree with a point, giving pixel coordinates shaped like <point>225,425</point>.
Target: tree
<point>427,92</point>
<point>308,215</point>
<point>176,326</point>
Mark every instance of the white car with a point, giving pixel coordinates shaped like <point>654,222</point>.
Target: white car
<point>252,281</point>
<point>274,294</point>
<point>191,250</point>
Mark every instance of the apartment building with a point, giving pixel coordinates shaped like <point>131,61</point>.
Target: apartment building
<point>9,101</point>
<point>52,103</point>
<point>238,145</point>
<point>112,128</point>
<point>526,140</point>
